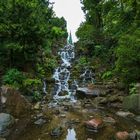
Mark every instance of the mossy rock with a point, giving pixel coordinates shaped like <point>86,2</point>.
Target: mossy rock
<point>132,102</point>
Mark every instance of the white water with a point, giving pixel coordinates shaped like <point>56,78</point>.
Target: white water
<point>87,76</point>
<point>71,134</point>
<point>44,87</point>
<point>62,74</point>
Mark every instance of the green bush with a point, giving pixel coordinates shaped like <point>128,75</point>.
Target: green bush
<point>128,58</point>
<point>107,75</point>
<point>51,63</point>
<point>132,88</point>
<point>14,78</point>
<point>36,96</point>
<point>32,85</point>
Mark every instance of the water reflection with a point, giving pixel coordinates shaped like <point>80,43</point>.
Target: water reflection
<point>71,134</point>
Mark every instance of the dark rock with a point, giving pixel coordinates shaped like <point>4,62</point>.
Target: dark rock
<point>101,100</point>
<point>66,108</point>
<point>115,98</point>
<point>64,93</point>
<point>56,132</point>
<point>56,111</point>
<point>117,105</point>
<point>40,121</point>
<point>40,115</point>
<point>87,92</point>
<point>6,121</point>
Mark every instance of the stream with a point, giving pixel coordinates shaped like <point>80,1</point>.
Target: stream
<point>64,117</point>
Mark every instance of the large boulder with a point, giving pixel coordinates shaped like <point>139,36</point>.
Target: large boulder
<point>87,92</point>
<point>15,103</point>
<point>132,102</point>
<point>6,121</point>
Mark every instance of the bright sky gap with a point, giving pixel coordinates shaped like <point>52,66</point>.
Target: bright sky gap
<point>71,11</point>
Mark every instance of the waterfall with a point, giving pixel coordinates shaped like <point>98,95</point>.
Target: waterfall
<point>44,87</point>
<point>88,76</point>
<point>62,74</point>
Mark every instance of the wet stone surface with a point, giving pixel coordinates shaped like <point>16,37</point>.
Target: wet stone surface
<point>73,124</point>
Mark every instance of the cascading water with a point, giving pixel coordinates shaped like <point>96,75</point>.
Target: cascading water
<point>44,87</point>
<point>62,74</point>
<point>88,76</point>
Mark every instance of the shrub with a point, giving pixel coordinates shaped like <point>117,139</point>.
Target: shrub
<point>107,75</point>
<point>32,85</point>
<point>132,88</point>
<point>14,78</point>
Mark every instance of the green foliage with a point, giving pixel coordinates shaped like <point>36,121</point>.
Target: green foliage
<point>110,38</point>
<point>14,78</point>
<point>26,25</point>
<point>29,34</point>
<point>36,96</point>
<point>128,53</point>
<point>31,87</point>
<point>51,63</point>
<point>107,75</point>
<point>82,61</point>
<point>57,31</point>
<point>132,88</point>
<point>31,82</point>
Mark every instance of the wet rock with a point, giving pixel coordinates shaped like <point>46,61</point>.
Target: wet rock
<point>56,132</point>
<point>56,111</point>
<point>94,124</point>
<point>63,115</point>
<point>109,120</point>
<point>64,93</point>
<point>124,135</point>
<point>66,108</point>
<point>124,114</point>
<point>87,103</point>
<point>6,121</point>
<point>15,103</point>
<point>39,115</point>
<point>86,92</point>
<point>115,98</point>
<point>135,135</point>
<point>116,105</point>
<point>72,122</point>
<point>137,118</point>
<point>101,100</point>
<point>40,121</point>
